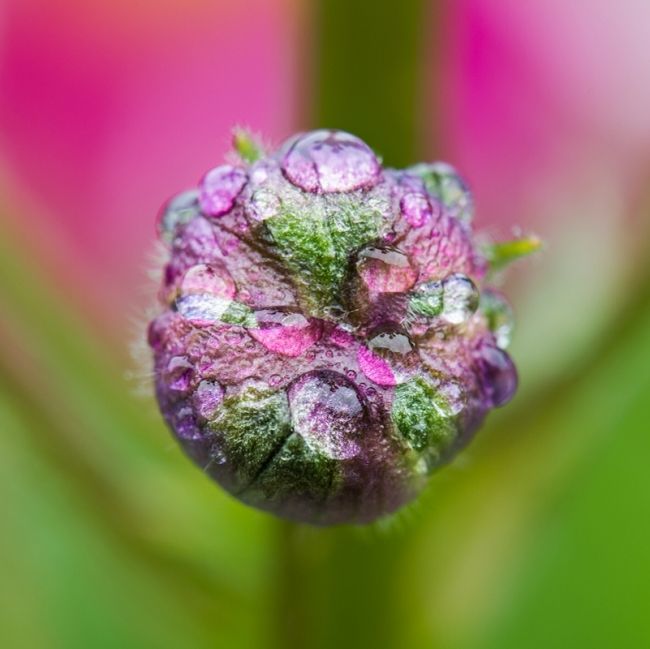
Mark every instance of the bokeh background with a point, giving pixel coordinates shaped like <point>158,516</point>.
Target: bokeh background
<point>537,537</point>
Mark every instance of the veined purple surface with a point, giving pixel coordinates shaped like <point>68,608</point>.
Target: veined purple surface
<point>323,345</point>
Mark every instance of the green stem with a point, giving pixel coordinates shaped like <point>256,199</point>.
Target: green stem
<point>370,77</point>
<point>290,613</point>
<point>337,587</point>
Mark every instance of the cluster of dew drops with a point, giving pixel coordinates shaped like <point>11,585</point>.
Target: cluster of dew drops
<point>385,306</point>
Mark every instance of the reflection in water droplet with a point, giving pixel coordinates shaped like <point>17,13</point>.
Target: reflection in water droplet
<point>384,361</point>
<point>219,189</point>
<point>390,339</point>
<point>499,315</point>
<point>384,269</point>
<point>285,330</point>
<point>426,299</point>
<point>417,208</point>
<point>206,399</point>
<point>330,161</point>
<point>460,298</point>
<point>263,205</point>
<point>497,374</point>
<point>444,182</point>
<point>178,374</point>
<point>454,299</point>
<point>202,308</point>
<point>209,279</point>
<point>177,211</point>
<point>327,411</point>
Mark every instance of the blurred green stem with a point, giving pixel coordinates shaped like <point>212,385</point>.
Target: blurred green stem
<point>370,64</point>
<point>337,587</point>
<point>290,614</point>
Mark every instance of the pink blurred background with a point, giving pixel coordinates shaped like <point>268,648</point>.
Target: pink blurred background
<point>107,109</point>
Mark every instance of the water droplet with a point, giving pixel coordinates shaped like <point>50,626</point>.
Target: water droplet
<point>275,380</point>
<point>330,161</point>
<point>417,208</point>
<point>454,299</point>
<point>263,205</point>
<point>497,374</point>
<point>206,399</point>
<point>178,374</point>
<point>351,374</point>
<point>386,359</point>
<point>444,182</point>
<point>285,330</point>
<point>327,411</point>
<point>207,278</point>
<point>390,339</point>
<point>499,315</point>
<point>384,269</point>
<point>460,298</point>
<point>426,299</point>
<point>202,308</point>
<point>177,211</point>
<point>219,189</point>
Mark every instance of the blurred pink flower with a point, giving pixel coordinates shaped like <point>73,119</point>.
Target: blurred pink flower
<point>545,94</point>
<point>108,108</point>
<point>545,111</point>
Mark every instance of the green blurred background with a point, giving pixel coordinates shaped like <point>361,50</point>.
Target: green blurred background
<point>537,536</point>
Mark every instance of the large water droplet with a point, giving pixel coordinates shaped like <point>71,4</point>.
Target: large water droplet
<point>206,399</point>
<point>426,299</point>
<point>202,308</point>
<point>328,412</point>
<point>330,161</point>
<point>177,211</point>
<point>444,182</point>
<point>418,208</point>
<point>285,330</point>
<point>497,374</point>
<point>384,269</point>
<point>388,356</point>
<point>219,189</point>
<point>454,299</point>
<point>499,315</point>
<point>263,205</point>
<point>178,374</point>
<point>209,279</point>
<point>460,298</point>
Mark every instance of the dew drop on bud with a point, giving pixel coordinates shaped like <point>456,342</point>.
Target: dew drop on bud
<point>460,298</point>
<point>202,308</point>
<point>443,182</point>
<point>499,315</point>
<point>177,211</point>
<point>417,208</point>
<point>207,279</point>
<point>328,412</point>
<point>386,358</point>
<point>497,374</point>
<point>330,161</point>
<point>285,330</point>
<point>206,399</point>
<point>384,269</point>
<point>426,299</point>
<point>219,189</point>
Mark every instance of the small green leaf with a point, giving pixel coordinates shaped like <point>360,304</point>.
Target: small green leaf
<point>246,146</point>
<point>500,255</point>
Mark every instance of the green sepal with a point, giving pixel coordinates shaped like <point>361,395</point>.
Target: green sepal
<point>246,146</point>
<point>501,254</point>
